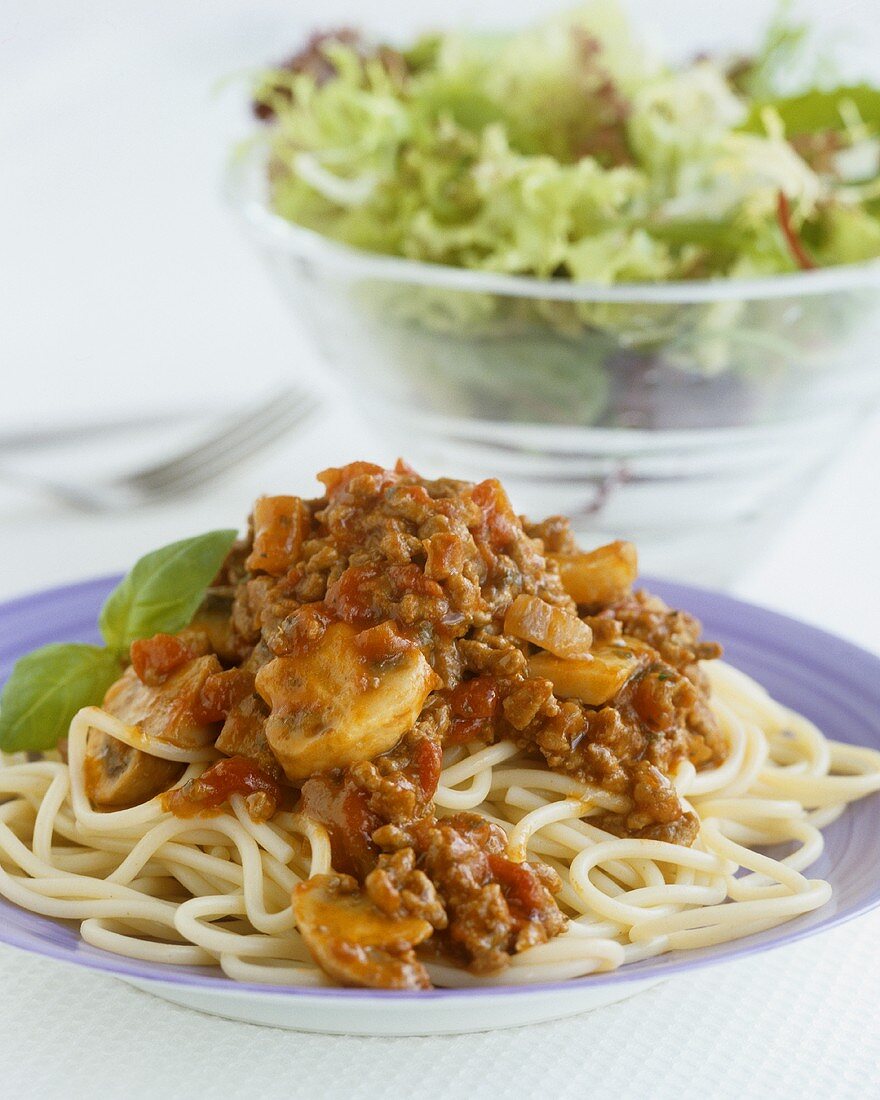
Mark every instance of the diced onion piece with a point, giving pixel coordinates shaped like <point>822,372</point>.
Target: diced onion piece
<point>601,576</point>
<point>280,525</point>
<point>594,682</point>
<point>552,628</point>
<point>331,707</point>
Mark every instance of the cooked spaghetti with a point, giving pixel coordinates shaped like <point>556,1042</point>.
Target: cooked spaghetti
<point>408,740</point>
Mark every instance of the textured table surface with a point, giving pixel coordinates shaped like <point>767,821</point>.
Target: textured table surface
<point>794,1023</point>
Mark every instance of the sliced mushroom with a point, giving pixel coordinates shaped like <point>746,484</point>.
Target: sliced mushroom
<point>170,711</point>
<point>243,734</point>
<point>353,940</point>
<point>330,706</point>
<point>214,619</point>
<point>594,682</point>
<point>118,776</point>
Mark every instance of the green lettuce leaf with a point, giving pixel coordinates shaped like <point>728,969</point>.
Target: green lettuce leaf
<point>816,111</point>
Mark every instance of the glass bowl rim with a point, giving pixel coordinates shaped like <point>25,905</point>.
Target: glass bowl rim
<point>244,189</point>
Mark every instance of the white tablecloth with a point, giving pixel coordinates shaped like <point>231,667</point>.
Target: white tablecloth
<point>125,280</point>
<point>800,1022</point>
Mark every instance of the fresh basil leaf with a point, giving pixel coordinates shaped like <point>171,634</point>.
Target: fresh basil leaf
<point>815,111</point>
<point>47,688</point>
<point>163,590</point>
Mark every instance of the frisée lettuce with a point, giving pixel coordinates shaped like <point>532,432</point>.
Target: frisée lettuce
<point>568,150</point>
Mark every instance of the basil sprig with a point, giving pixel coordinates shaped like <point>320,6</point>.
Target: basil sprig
<point>163,590</point>
<point>46,689</point>
<point>160,594</point>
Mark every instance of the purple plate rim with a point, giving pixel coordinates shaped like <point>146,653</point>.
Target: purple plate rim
<point>861,664</point>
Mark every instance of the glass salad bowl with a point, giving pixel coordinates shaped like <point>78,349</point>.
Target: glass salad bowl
<point>687,416</point>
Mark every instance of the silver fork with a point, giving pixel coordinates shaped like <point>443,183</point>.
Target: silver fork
<point>236,439</point>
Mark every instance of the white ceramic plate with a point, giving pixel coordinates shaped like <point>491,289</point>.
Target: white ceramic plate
<point>829,680</point>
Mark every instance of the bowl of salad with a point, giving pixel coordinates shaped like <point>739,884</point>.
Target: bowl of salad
<point>645,295</point>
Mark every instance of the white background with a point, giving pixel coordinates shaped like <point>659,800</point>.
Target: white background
<point>125,288</point>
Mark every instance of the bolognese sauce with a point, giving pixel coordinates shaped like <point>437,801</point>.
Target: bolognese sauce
<point>351,641</point>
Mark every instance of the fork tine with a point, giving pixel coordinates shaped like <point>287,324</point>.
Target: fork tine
<point>177,478</point>
<point>208,453</point>
<point>247,434</point>
<point>223,451</point>
<point>209,473</point>
<point>231,428</point>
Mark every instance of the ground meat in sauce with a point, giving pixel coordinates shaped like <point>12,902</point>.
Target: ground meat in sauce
<point>416,565</point>
<point>455,875</point>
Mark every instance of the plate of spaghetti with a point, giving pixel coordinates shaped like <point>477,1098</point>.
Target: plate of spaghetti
<point>399,761</point>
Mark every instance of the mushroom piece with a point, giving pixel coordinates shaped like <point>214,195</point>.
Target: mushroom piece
<point>243,734</point>
<point>594,682</point>
<point>170,711</point>
<point>331,706</point>
<point>214,620</point>
<point>118,775</point>
<point>354,941</point>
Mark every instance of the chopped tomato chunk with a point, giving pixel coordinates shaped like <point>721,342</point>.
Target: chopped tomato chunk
<point>428,762</point>
<point>363,593</point>
<point>154,659</point>
<point>499,517</point>
<point>401,466</point>
<point>234,775</point>
<point>336,478</point>
<point>344,810</point>
<point>522,888</point>
<point>352,596</point>
<point>222,691</point>
<point>475,698</point>
<point>474,703</point>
